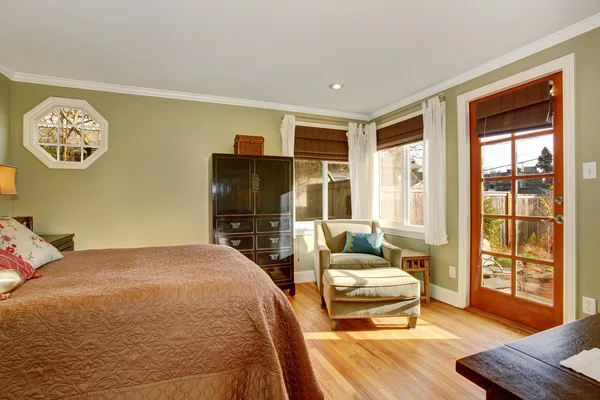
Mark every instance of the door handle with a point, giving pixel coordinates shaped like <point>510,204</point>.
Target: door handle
<point>560,200</point>
<point>559,219</point>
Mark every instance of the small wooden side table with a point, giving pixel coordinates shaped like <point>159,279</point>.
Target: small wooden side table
<point>414,261</point>
<point>62,242</point>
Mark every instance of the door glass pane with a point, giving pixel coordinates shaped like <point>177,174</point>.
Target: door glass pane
<point>390,178</point>
<point>535,239</point>
<point>415,152</point>
<point>497,197</point>
<point>535,155</point>
<point>496,273</point>
<point>496,160</point>
<point>309,189</point>
<point>339,200</point>
<point>535,197</point>
<point>496,235</point>
<point>535,282</point>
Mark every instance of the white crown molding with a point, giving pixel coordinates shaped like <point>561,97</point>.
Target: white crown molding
<point>400,119</point>
<point>9,73</point>
<point>320,125</point>
<point>567,33</point>
<point>553,39</point>
<point>168,94</point>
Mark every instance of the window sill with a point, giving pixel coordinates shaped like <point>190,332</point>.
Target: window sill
<point>402,231</point>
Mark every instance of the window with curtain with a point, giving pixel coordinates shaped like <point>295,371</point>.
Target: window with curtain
<point>322,174</point>
<point>400,156</point>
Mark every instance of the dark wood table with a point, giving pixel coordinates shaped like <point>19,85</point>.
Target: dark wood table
<point>530,368</point>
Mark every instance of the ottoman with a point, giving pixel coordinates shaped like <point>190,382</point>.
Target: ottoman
<point>371,293</point>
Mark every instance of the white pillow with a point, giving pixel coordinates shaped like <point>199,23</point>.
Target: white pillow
<point>20,241</point>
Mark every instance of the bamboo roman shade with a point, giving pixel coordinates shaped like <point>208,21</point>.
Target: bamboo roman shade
<point>528,108</point>
<point>320,144</point>
<point>404,132</point>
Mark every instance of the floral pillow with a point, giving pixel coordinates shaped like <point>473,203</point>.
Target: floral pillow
<point>26,245</point>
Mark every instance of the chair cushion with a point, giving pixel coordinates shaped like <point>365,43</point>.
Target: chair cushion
<point>357,261</point>
<point>376,284</point>
<point>335,231</point>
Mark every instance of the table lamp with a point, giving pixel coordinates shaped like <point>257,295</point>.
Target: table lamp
<point>8,185</point>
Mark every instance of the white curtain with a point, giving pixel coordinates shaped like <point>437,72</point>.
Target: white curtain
<point>288,126</point>
<point>288,129</point>
<point>362,146</point>
<point>434,171</point>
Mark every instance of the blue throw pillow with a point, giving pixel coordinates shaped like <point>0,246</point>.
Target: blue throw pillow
<point>367,243</point>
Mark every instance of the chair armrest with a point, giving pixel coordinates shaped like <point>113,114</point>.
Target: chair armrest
<point>322,257</point>
<point>393,254</point>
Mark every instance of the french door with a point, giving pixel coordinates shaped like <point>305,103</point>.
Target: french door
<point>516,216</point>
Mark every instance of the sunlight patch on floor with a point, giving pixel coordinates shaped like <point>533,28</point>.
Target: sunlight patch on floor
<point>322,336</point>
<point>386,329</point>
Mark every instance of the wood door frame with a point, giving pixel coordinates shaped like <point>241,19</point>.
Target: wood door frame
<point>565,64</point>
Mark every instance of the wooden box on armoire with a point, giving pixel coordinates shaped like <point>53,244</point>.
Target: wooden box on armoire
<point>252,211</point>
<point>251,145</point>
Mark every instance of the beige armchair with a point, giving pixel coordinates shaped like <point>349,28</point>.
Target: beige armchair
<point>355,285</point>
<point>330,239</point>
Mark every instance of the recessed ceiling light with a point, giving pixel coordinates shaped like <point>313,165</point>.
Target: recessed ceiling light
<point>336,86</point>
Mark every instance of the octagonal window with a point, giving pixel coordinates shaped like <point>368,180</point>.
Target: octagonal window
<point>65,133</point>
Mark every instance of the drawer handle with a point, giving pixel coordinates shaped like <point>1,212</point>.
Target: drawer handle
<point>274,240</point>
<point>274,256</point>
<point>236,242</point>
<point>235,225</point>
<point>274,224</point>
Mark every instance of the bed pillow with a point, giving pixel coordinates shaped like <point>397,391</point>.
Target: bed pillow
<point>26,245</point>
<point>9,281</point>
<point>366,243</point>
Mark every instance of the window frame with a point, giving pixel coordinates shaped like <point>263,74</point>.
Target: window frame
<point>308,227</point>
<point>30,132</point>
<point>402,228</point>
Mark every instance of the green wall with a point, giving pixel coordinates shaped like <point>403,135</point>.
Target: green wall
<point>5,86</point>
<point>587,94</point>
<point>152,187</point>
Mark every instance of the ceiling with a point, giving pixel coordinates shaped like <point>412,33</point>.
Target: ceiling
<point>275,50</point>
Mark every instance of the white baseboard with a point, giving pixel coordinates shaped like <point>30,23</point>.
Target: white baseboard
<point>445,295</point>
<point>304,276</point>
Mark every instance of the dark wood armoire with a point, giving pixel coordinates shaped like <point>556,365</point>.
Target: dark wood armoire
<point>253,211</point>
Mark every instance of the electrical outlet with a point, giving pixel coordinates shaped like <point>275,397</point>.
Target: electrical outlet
<point>589,305</point>
<point>452,271</point>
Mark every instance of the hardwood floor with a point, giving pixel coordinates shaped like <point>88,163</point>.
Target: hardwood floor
<point>381,359</point>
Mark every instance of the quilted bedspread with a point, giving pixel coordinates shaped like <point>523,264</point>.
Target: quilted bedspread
<point>185,322</point>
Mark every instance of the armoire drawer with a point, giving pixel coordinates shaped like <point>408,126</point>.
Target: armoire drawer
<point>274,224</point>
<point>274,257</point>
<point>279,273</point>
<point>232,226</point>
<point>273,241</point>
<point>240,243</point>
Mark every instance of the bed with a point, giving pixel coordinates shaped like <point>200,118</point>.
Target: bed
<point>184,322</point>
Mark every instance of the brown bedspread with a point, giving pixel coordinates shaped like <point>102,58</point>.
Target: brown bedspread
<point>186,322</point>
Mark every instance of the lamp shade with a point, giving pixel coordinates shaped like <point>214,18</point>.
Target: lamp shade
<point>8,184</point>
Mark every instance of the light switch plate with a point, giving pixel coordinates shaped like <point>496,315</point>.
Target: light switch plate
<point>452,272</point>
<point>589,170</point>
